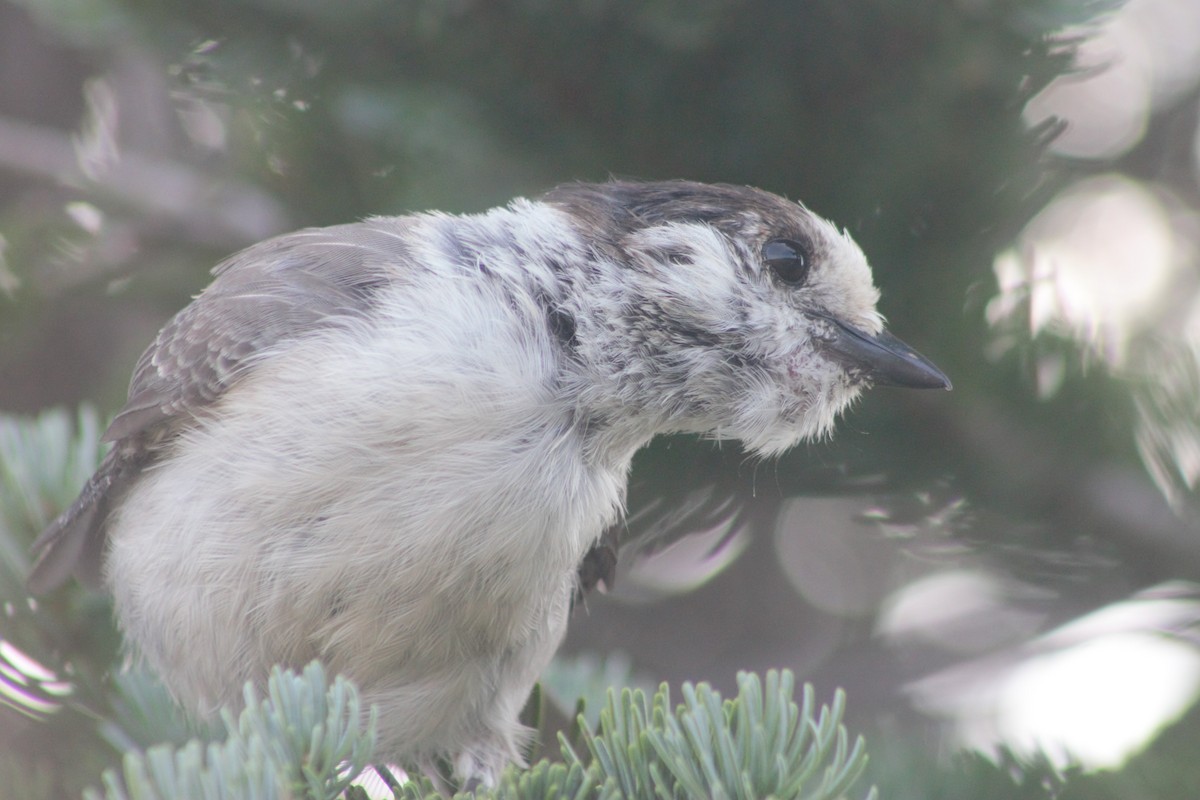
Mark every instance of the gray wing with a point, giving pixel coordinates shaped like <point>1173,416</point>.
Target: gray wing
<point>271,293</point>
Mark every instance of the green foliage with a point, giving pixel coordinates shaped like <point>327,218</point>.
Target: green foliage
<point>758,745</point>
<point>311,732</point>
<point>304,740</point>
<point>141,712</point>
<point>550,781</point>
<point>586,679</point>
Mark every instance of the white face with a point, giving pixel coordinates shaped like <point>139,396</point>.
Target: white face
<point>733,312</point>
<point>765,377</point>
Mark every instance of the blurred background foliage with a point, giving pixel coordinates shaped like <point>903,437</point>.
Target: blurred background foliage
<point>1012,565</point>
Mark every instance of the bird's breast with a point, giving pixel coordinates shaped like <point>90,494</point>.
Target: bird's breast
<point>438,514</point>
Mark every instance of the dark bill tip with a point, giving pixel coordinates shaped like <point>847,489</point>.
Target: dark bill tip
<point>884,359</point>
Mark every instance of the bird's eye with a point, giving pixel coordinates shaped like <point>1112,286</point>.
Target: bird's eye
<point>787,260</point>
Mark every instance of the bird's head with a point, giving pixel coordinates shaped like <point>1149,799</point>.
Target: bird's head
<point>730,311</point>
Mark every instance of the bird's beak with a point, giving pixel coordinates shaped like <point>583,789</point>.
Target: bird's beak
<point>882,358</point>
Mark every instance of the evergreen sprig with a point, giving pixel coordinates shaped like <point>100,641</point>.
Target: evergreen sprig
<point>758,745</point>
<point>311,733</point>
<point>305,739</point>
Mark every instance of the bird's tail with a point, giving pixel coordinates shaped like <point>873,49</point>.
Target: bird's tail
<point>74,542</point>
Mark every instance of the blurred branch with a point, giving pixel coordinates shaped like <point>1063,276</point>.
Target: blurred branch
<point>208,211</point>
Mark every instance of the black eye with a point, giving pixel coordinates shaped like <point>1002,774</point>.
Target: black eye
<point>787,259</point>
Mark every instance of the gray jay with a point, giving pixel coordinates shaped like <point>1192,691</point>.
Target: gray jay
<point>389,445</point>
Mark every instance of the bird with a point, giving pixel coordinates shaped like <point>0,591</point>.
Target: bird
<point>396,445</point>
